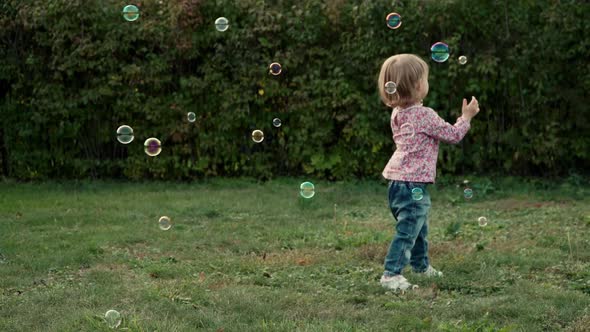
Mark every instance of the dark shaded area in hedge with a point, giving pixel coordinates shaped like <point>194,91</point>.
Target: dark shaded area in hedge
<point>72,71</point>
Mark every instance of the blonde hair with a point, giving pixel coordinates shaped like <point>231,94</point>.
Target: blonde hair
<point>406,71</point>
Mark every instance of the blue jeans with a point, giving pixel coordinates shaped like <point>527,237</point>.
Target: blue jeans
<point>409,243</point>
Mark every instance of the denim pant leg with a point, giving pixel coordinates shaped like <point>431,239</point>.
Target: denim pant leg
<point>419,260</point>
<point>411,214</point>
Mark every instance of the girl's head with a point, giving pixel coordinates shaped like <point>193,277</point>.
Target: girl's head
<point>410,74</point>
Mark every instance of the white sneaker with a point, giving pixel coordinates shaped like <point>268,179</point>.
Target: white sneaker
<point>396,282</point>
<point>431,272</point>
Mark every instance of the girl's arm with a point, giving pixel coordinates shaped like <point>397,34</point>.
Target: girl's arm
<point>441,130</point>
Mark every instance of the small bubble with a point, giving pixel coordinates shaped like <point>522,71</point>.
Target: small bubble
<point>191,117</point>
<point>125,134</point>
<point>407,129</point>
<point>257,136</point>
<point>468,193</point>
<point>394,20</point>
<point>152,147</point>
<point>165,223</point>
<point>276,122</point>
<point>417,194</point>
<point>390,87</point>
<point>113,318</point>
<point>131,13</point>
<point>275,68</point>
<point>307,190</point>
<point>482,221</point>
<point>462,59</point>
<point>221,24</point>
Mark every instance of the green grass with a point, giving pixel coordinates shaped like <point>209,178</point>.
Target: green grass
<point>248,256</point>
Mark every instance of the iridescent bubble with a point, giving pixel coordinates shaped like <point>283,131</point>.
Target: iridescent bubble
<point>165,223</point>
<point>468,193</point>
<point>221,24</point>
<point>439,52</point>
<point>125,134</point>
<point>417,194</point>
<point>257,136</point>
<point>152,147</point>
<point>482,221</point>
<point>191,117</point>
<point>394,20</point>
<point>131,13</point>
<point>390,87</point>
<point>276,122</point>
<point>113,318</point>
<point>307,190</point>
<point>407,129</point>
<point>462,60</point>
<point>275,68</point>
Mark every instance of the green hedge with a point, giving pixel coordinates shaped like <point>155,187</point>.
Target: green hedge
<point>72,71</point>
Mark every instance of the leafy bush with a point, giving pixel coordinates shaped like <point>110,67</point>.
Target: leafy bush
<point>71,72</point>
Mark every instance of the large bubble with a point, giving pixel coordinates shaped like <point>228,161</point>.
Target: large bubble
<point>439,52</point>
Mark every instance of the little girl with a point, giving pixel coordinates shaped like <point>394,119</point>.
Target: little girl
<point>417,130</point>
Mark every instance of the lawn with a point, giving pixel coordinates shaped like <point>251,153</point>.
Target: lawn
<point>248,256</point>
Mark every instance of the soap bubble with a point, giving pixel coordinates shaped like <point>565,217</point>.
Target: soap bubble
<point>276,122</point>
<point>394,20</point>
<point>390,87</point>
<point>131,13</point>
<point>191,117</point>
<point>482,221</point>
<point>468,193</point>
<point>462,60</point>
<point>113,318</point>
<point>125,134</point>
<point>221,24</point>
<point>275,68</point>
<point>152,147</point>
<point>165,223</point>
<point>257,136</point>
<point>307,190</point>
<point>261,92</point>
<point>407,129</point>
<point>440,52</point>
<point>417,194</point>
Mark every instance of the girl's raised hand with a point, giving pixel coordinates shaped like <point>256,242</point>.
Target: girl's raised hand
<point>470,110</point>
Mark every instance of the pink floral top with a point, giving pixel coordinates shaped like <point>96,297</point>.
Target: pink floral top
<point>417,131</point>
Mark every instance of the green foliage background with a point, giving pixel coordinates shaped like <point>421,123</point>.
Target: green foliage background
<point>72,71</point>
